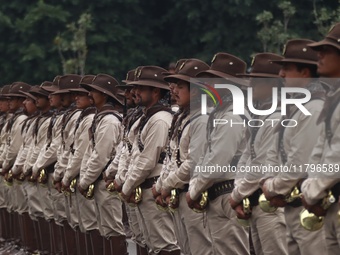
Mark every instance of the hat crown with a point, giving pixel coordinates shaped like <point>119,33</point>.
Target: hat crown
<point>130,76</point>
<point>87,79</point>
<point>151,73</point>
<point>298,49</point>
<point>16,87</point>
<point>106,82</point>
<point>228,64</point>
<point>5,90</point>
<point>69,81</point>
<point>55,81</point>
<point>191,67</point>
<point>262,64</point>
<point>334,33</point>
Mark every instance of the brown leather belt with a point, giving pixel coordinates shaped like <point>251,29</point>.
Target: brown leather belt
<point>220,188</point>
<point>148,183</point>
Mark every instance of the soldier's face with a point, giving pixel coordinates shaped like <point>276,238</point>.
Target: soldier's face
<point>42,102</point>
<point>329,62</point>
<point>55,100</point>
<point>182,93</point>
<point>15,103</point>
<point>291,75</point>
<point>99,98</point>
<point>129,100</point>
<point>66,99</point>
<point>4,105</point>
<point>262,88</point>
<point>29,106</point>
<point>83,100</point>
<point>144,95</point>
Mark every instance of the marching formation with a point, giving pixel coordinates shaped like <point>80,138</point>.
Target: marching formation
<point>80,154</point>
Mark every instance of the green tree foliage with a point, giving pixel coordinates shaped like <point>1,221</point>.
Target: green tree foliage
<point>127,33</point>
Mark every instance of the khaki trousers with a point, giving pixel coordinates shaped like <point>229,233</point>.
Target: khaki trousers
<point>192,234</point>
<point>33,200</point>
<point>137,235</point>
<point>228,236</point>
<point>58,203</point>
<point>300,240</point>
<point>71,209</point>
<point>86,213</point>
<point>20,197</point>
<point>45,198</point>
<point>268,232</point>
<point>108,211</point>
<point>157,226</point>
<point>332,230</point>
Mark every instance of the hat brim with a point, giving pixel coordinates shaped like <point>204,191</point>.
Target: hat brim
<point>62,91</point>
<point>50,89</point>
<point>27,94</point>
<point>79,90</point>
<point>125,86</point>
<point>150,83</point>
<point>16,95</point>
<point>260,75</point>
<point>238,81</point>
<point>294,60</point>
<point>89,87</point>
<point>39,93</point>
<point>316,46</point>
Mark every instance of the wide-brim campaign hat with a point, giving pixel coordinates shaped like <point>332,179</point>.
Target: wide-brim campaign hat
<point>262,66</point>
<point>87,79</point>
<point>152,76</point>
<point>331,39</point>
<point>226,66</point>
<point>4,91</point>
<point>187,71</point>
<point>40,91</point>
<point>67,82</point>
<point>177,66</point>
<point>130,76</point>
<point>105,84</point>
<point>29,93</point>
<point>17,88</point>
<point>297,51</point>
<point>55,85</point>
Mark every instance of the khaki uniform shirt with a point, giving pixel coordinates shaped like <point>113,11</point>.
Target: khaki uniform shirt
<point>145,163</point>
<point>325,156</point>
<point>107,137</point>
<point>227,141</point>
<point>80,143</point>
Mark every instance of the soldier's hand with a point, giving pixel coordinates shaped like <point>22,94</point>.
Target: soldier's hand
<point>278,201</point>
<point>65,187</point>
<point>125,197</point>
<point>107,183</point>
<point>117,186</point>
<point>160,201</point>
<point>81,190</point>
<point>316,209</point>
<point>240,213</point>
<point>155,194</point>
<point>191,203</point>
<point>57,186</point>
<point>233,203</point>
<point>165,194</point>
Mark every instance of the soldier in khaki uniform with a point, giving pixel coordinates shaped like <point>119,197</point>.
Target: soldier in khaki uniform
<point>4,116</point>
<point>85,208</point>
<point>267,229</point>
<point>46,160</point>
<point>187,123</point>
<point>225,144</point>
<point>67,125</point>
<point>105,136</point>
<point>13,142</point>
<point>147,160</point>
<point>30,242</point>
<point>291,148</point>
<point>130,124</point>
<point>326,152</point>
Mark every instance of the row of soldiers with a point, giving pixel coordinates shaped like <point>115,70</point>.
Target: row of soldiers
<point>70,161</point>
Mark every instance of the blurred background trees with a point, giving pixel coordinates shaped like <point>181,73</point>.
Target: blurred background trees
<point>43,38</point>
